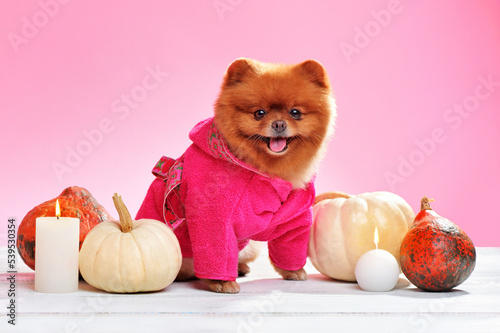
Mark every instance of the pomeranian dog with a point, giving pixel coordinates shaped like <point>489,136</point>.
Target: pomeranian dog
<point>248,174</point>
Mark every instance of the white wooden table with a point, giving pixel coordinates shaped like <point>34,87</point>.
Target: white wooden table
<point>265,304</point>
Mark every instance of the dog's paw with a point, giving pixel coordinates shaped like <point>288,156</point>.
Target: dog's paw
<point>220,286</point>
<point>243,269</point>
<point>298,275</point>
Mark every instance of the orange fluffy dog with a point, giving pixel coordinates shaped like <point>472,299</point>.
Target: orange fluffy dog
<point>248,174</point>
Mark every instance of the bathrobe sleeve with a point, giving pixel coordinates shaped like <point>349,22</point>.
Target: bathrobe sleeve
<point>212,192</point>
<point>289,250</point>
<point>288,247</point>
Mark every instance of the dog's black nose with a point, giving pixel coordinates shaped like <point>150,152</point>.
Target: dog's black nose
<point>279,126</point>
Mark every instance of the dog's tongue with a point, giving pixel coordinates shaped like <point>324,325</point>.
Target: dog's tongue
<point>277,144</point>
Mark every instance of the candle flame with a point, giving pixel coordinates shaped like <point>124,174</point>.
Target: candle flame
<point>375,238</point>
<point>58,209</point>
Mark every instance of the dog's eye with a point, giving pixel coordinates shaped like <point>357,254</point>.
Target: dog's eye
<point>295,114</point>
<point>259,114</point>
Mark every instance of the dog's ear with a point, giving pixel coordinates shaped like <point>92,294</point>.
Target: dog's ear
<point>315,72</point>
<point>238,70</point>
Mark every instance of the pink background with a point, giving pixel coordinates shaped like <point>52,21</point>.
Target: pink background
<point>398,69</point>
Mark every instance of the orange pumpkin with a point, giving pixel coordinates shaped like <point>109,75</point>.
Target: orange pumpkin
<point>75,201</point>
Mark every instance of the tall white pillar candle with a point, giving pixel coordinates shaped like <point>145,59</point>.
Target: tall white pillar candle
<point>56,254</point>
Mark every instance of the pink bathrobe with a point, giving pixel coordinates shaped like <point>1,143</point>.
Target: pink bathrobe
<point>216,204</point>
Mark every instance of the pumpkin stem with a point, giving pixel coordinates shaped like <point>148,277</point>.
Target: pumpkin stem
<point>330,195</point>
<point>125,219</point>
<point>425,203</point>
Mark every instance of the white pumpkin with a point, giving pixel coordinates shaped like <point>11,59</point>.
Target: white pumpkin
<point>129,256</point>
<point>344,226</point>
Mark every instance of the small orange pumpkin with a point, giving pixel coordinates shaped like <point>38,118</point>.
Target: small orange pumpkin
<point>75,201</point>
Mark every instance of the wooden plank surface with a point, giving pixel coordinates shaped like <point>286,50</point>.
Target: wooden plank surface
<point>265,304</point>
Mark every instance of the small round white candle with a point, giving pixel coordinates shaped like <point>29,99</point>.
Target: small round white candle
<point>377,270</point>
<point>57,245</point>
